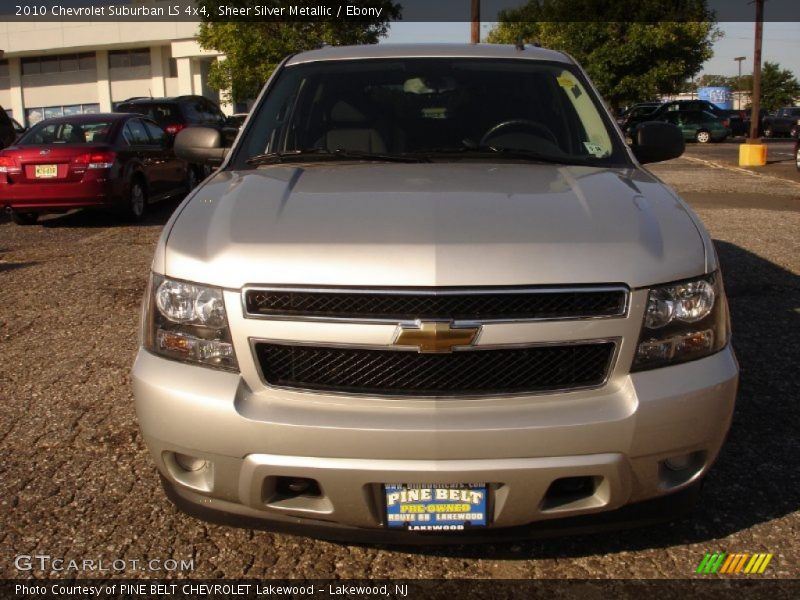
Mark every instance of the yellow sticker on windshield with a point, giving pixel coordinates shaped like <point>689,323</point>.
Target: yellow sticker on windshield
<point>565,81</point>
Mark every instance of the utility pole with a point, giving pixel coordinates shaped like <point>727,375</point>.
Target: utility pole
<point>739,60</point>
<point>755,117</point>
<point>475,17</point>
<point>753,153</point>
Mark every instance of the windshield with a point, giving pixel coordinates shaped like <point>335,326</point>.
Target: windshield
<point>66,132</point>
<point>438,108</point>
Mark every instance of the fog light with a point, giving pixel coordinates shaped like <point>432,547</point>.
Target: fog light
<point>190,463</point>
<point>679,463</point>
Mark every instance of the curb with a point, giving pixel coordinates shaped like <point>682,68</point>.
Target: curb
<point>728,167</point>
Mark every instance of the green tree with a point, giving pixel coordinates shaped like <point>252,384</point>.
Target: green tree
<point>779,87</point>
<point>709,80</point>
<point>254,47</point>
<point>632,49</point>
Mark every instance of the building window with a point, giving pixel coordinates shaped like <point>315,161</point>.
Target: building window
<point>118,59</point>
<point>30,66</point>
<point>4,68</point>
<point>68,63</point>
<point>60,63</point>
<point>34,115</point>
<point>87,61</point>
<point>48,64</point>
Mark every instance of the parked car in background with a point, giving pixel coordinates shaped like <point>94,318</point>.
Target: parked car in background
<point>178,112</point>
<point>738,122</point>
<point>682,106</point>
<point>784,121</point>
<point>7,129</point>
<point>120,161</point>
<point>636,113</point>
<point>175,113</point>
<point>696,125</point>
<point>701,126</point>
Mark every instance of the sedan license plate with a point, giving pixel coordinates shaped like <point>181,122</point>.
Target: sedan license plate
<point>45,171</point>
<point>435,507</point>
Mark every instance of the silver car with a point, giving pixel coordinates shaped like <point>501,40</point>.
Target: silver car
<point>430,293</point>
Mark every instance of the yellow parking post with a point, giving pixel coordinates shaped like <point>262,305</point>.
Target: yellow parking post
<point>752,154</point>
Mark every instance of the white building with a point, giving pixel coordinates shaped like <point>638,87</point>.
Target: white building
<point>66,67</point>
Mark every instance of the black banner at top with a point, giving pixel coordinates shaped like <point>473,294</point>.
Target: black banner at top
<point>394,10</point>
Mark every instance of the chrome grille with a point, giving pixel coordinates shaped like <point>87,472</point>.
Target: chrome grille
<point>483,304</point>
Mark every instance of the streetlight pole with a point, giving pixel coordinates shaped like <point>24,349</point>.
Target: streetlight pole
<point>739,60</point>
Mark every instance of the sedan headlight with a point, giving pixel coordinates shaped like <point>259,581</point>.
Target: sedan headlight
<point>187,321</point>
<point>683,321</point>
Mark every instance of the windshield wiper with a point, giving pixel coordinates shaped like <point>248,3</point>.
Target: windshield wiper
<point>511,153</point>
<point>327,154</point>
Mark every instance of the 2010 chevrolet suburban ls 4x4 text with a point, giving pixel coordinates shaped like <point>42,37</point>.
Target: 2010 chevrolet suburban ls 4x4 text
<point>430,293</point>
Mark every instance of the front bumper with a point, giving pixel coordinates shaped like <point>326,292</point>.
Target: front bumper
<point>619,435</point>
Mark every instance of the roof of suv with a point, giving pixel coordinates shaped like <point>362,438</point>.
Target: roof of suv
<point>427,51</point>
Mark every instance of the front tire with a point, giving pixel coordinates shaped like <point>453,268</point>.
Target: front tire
<point>702,136</point>
<point>768,132</point>
<point>793,132</point>
<point>24,218</point>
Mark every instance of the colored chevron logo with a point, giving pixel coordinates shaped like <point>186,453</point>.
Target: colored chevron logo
<point>733,564</point>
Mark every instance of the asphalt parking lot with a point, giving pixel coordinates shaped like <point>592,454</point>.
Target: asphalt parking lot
<point>76,481</point>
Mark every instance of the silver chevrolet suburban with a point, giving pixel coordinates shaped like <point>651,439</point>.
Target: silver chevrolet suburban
<point>430,293</point>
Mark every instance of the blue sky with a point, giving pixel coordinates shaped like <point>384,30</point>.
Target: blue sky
<point>781,42</point>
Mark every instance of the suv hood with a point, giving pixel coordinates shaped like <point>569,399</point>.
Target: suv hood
<point>437,224</point>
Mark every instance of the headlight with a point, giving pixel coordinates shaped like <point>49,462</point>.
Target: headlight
<point>186,321</point>
<point>683,321</point>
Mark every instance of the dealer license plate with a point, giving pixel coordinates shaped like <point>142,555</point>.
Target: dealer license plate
<point>435,507</point>
<point>45,171</point>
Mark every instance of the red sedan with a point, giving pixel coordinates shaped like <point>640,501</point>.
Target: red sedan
<point>121,161</point>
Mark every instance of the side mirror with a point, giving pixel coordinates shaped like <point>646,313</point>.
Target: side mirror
<point>200,145</point>
<point>655,141</point>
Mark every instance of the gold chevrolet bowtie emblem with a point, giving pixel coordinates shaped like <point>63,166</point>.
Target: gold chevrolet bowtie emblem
<point>436,336</point>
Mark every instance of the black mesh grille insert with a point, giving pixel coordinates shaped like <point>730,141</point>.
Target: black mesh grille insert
<point>470,372</point>
<point>502,304</point>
